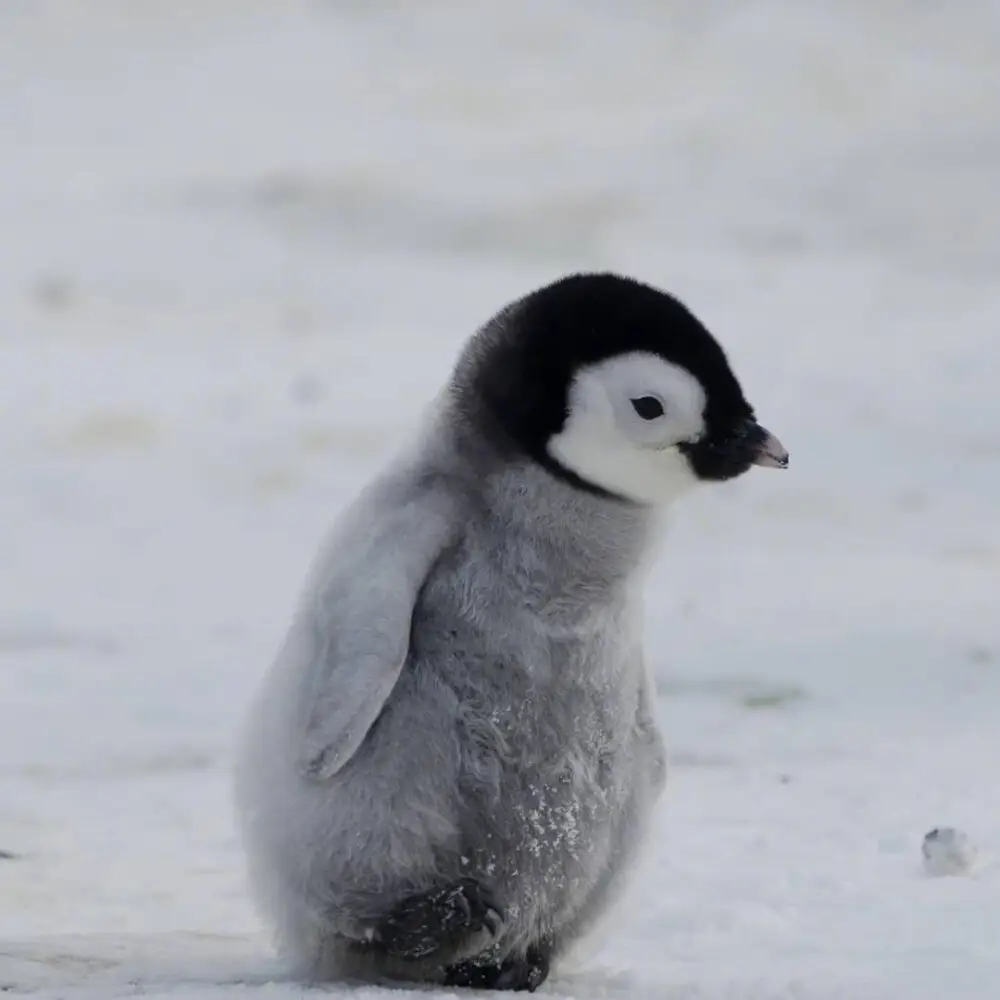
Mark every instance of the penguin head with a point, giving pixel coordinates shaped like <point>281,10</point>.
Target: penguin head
<point>615,387</point>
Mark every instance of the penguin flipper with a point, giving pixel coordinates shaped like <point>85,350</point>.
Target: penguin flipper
<point>355,625</point>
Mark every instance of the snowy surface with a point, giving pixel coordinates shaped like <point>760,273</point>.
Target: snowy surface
<point>241,244</point>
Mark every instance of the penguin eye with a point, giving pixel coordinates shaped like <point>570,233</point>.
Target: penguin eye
<point>648,407</point>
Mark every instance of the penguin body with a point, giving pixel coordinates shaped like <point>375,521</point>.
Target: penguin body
<point>455,755</point>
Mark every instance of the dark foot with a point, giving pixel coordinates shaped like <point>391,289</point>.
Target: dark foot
<point>519,973</point>
<point>442,921</point>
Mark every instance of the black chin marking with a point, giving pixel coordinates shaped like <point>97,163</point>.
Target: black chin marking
<point>566,475</point>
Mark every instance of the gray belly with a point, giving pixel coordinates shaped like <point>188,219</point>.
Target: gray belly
<point>547,759</point>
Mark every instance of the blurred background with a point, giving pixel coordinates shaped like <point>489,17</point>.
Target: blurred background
<point>241,242</point>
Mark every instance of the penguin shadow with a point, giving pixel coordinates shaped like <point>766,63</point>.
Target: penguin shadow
<point>210,965</point>
<point>591,985</point>
<point>588,984</point>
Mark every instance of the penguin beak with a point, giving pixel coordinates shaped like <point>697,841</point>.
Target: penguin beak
<point>767,450</point>
<point>721,457</point>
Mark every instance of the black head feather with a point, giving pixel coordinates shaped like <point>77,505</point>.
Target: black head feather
<point>516,371</point>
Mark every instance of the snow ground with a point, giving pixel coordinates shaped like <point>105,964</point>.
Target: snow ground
<point>242,242</point>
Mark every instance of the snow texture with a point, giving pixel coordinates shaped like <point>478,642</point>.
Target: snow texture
<point>242,243</point>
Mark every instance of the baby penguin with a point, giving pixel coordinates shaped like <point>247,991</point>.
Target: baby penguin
<point>456,754</point>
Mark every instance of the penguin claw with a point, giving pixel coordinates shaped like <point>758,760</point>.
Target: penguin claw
<point>520,974</point>
<point>442,921</point>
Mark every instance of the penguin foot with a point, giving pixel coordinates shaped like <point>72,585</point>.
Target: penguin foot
<point>520,973</point>
<point>440,922</point>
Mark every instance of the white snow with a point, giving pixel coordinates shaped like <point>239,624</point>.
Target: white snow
<point>241,243</point>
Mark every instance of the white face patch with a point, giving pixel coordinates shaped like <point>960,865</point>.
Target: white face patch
<point>630,448</point>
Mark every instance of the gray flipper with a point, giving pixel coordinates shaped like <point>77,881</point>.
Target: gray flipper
<point>358,616</point>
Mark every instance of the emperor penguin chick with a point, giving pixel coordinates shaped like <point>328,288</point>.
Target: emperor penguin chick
<point>455,754</point>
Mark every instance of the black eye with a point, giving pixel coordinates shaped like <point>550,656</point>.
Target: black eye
<point>648,407</point>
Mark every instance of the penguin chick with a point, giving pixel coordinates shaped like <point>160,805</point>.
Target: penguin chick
<point>455,755</point>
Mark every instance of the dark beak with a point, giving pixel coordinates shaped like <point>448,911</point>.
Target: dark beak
<point>767,450</point>
<point>721,456</point>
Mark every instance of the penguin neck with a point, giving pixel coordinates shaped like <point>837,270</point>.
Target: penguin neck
<point>567,539</point>
<point>594,543</point>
